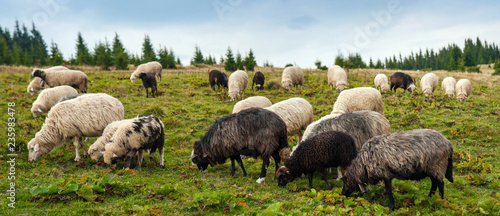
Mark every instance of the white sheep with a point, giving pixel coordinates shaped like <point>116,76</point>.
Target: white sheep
<point>296,112</point>
<point>463,89</point>
<point>86,115</point>
<point>53,78</point>
<point>49,97</point>
<point>237,84</point>
<point>34,85</point>
<point>381,83</point>
<point>448,86</point>
<point>337,77</point>
<point>360,98</point>
<point>292,75</point>
<point>255,101</point>
<point>150,67</point>
<point>429,83</point>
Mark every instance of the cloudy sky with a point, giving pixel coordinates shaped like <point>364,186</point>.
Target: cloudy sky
<point>280,31</point>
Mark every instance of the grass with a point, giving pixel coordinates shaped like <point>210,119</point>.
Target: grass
<point>187,106</point>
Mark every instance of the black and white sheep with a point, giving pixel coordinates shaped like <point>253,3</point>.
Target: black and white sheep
<point>150,67</point>
<point>73,78</point>
<point>402,80</point>
<point>250,132</point>
<point>258,80</point>
<point>35,86</point>
<point>149,81</point>
<point>408,155</point>
<point>325,150</point>
<point>217,77</point>
<point>49,97</point>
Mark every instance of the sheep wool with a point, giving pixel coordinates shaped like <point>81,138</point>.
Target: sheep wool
<point>149,81</point>
<point>255,101</point>
<point>292,75</point>
<point>150,67</point>
<point>96,149</point>
<point>238,82</point>
<point>34,85</point>
<point>49,97</point>
<point>217,77</point>
<point>361,98</point>
<point>402,80</point>
<point>448,86</point>
<point>463,90</point>
<point>258,80</point>
<point>296,112</point>
<point>337,77</point>
<point>73,78</point>
<point>381,83</point>
<point>86,115</point>
<point>429,83</point>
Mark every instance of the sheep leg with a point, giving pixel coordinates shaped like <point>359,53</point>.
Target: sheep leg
<point>146,91</point>
<point>339,173</point>
<point>233,168</point>
<point>323,175</point>
<point>433,186</point>
<point>85,153</point>
<point>277,161</point>
<point>265,164</point>
<point>76,143</point>
<point>139,158</point>
<point>130,155</point>
<point>311,180</point>
<point>154,91</point>
<point>161,156</point>
<point>238,159</point>
<point>441,189</point>
<point>388,191</point>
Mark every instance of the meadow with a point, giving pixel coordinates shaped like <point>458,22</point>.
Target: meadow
<point>56,185</point>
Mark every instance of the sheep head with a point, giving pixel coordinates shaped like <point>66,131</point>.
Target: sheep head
<point>201,161</point>
<point>37,72</point>
<point>284,176</point>
<point>384,89</point>
<point>286,84</point>
<point>95,154</point>
<point>34,150</point>
<point>427,92</point>
<point>462,98</point>
<point>352,180</point>
<point>234,95</point>
<point>411,88</point>
<point>142,75</point>
<point>340,87</point>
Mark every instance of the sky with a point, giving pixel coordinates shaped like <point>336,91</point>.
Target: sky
<point>279,31</point>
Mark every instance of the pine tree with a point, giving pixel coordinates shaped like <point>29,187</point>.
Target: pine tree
<point>249,61</point>
<point>39,48</point>
<point>119,56</point>
<point>221,60</point>
<point>178,61</point>
<point>339,60</point>
<point>167,58</point>
<point>197,57</point>
<point>229,63</point>
<point>5,53</point>
<point>148,53</point>
<point>379,65</point>
<point>102,55</point>
<point>82,52</point>
<point>56,57</point>
<point>239,61</point>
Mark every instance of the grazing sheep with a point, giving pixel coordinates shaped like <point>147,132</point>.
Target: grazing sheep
<point>86,115</point>
<point>150,67</point>
<point>258,79</point>
<point>238,82</point>
<point>69,97</point>
<point>255,101</point>
<point>408,155</point>
<point>381,83</point>
<point>143,133</point>
<point>296,112</point>
<point>251,132</point>
<point>360,98</point>
<point>292,75</point>
<point>49,97</point>
<point>34,85</point>
<point>53,78</point>
<point>448,86</point>
<point>402,80</point>
<point>149,81</point>
<point>325,150</point>
<point>216,77</point>
<point>337,77</point>
<point>463,89</point>
<point>429,83</point>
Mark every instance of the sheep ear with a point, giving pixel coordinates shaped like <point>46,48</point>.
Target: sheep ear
<point>37,147</point>
<point>39,110</point>
<point>32,90</point>
<point>114,155</point>
<point>102,152</point>
<point>362,187</point>
<point>192,157</point>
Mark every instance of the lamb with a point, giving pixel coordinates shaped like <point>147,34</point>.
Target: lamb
<point>325,150</point>
<point>238,82</point>
<point>337,77</point>
<point>296,112</point>
<point>381,83</point>
<point>216,77</point>
<point>142,133</point>
<point>150,67</point>
<point>149,81</point>
<point>86,115</point>
<point>251,132</point>
<point>429,83</point>
<point>402,80</point>
<point>292,75</point>
<point>360,98</point>
<point>34,86</point>
<point>258,79</point>
<point>53,78</point>
<point>255,101</point>
<point>408,155</point>
<point>463,90</point>
<point>49,97</point>
<point>448,86</point>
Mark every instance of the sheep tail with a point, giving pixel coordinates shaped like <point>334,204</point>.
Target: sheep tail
<point>449,169</point>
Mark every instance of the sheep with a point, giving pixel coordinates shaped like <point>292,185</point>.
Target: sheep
<point>325,150</point>
<point>408,155</point>
<point>238,82</point>
<point>149,81</point>
<point>150,67</point>
<point>49,97</point>
<point>429,83</point>
<point>296,112</point>
<point>463,90</point>
<point>69,97</point>
<point>402,80</point>
<point>86,115</point>
<point>360,98</point>
<point>337,77</point>
<point>255,101</point>
<point>53,78</point>
<point>216,77</point>
<point>34,85</point>
<point>251,132</point>
<point>142,133</point>
<point>448,86</point>
<point>292,75</point>
<point>258,79</point>
<point>381,83</point>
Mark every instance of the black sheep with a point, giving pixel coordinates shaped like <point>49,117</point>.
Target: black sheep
<point>251,132</point>
<point>149,81</point>
<point>325,150</point>
<point>402,80</point>
<point>216,77</point>
<point>258,79</point>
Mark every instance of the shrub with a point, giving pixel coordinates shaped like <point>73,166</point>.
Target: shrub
<point>497,72</point>
<point>473,69</point>
<point>426,70</point>
<point>288,65</point>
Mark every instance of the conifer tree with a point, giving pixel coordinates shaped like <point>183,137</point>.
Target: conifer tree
<point>119,56</point>
<point>197,57</point>
<point>249,61</point>
<point>148,53</point>
<point>229,63</point>
<point>239,61</point>
<point>102,56</point>
<point>56,57</point>
<point>82,51</point>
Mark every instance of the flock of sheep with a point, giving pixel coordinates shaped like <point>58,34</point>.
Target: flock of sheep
<point>355,136</point>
